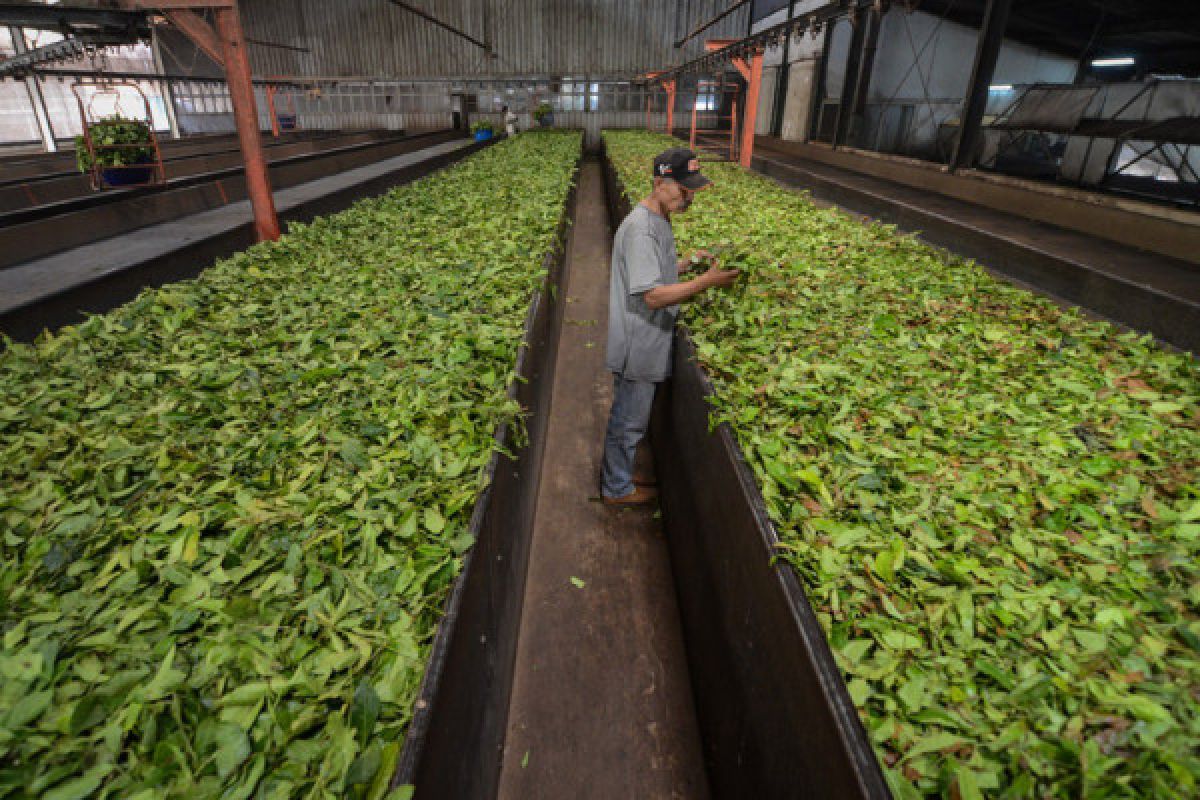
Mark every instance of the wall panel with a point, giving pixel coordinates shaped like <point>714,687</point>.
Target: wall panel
<point>374,38</point>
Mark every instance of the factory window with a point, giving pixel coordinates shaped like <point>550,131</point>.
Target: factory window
<point>17,122</point>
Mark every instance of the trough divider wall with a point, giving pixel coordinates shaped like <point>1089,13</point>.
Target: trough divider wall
<point>454,745</point>
<point>775,717</point>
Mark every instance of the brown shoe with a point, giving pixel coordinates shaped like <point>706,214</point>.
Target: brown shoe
<point>640,496</point>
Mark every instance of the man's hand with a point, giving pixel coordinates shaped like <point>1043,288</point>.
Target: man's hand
<point>696,258</point>
<point>716,277</point>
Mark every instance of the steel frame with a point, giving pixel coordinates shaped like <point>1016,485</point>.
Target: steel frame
<point>702,27</point>
<point>987,52</point>
<point>733,117</point>
<point>225,43</point>
<point>746,56</point>
<point>87,119</point>
<point>770,37</point>
<point>749,65</point>
<point>1122,130</point>
<point>37,98</point>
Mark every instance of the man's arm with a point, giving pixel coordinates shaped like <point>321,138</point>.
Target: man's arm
<point>673,293</point>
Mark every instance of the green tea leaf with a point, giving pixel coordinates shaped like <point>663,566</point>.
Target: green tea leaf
<point>82,786</point>
<point>233,508</point>
<point>364,711</point>
<point>233,747</point>
<point>989,499</point>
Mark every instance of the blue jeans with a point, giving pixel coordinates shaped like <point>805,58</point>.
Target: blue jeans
<point>627,423</point>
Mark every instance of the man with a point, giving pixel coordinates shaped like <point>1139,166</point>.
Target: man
<point>644,298</point>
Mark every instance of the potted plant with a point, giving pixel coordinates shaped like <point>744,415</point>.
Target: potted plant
<point>117,147</point>
<point>544,114</point>
<point>483,130</point>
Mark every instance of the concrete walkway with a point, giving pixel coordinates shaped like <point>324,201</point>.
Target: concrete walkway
<point>601,704</point>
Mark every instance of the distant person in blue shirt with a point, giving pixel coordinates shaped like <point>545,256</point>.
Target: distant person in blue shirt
<point>644,298</point>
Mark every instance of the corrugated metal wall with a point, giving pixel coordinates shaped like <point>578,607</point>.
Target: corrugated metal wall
<point>373,38</point>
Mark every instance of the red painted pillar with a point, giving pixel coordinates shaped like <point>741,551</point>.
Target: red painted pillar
<point>271,110</point>
<point>670,87</point>
<point>245,114</point>
<point>692,135</point>
<point>749,123</point>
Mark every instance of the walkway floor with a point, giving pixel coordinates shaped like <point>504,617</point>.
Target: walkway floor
<point>601,704</point>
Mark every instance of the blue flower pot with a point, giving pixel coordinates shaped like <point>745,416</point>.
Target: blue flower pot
<point>127,176</point>
<point>482,136</point>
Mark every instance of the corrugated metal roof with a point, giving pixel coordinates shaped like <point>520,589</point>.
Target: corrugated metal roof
<point>374,38</point>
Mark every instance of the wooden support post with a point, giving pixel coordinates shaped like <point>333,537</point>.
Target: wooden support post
<point>692,135</point>
<point>241,93</point>
<point>991,37</point>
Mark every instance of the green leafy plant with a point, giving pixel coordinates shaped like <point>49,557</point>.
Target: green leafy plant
<point>542,110</point>
<point>483,125</point>
<point>114,139</point>
<point>230,511</point>
<point>993,503</point>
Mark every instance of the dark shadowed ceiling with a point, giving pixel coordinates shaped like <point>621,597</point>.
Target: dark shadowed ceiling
<point>1163,35</point>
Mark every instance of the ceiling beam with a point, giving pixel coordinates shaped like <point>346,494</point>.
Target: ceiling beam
<point>1189,25</point>
<point>757,42</point>
<point>425,15</point>
<point>701,28</point>
<point>72,19</point>
<point>196,28</point>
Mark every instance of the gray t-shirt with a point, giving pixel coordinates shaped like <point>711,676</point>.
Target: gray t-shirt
<point>639,339</point>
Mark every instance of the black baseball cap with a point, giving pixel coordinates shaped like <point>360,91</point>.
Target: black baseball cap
<point>680,165</point>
